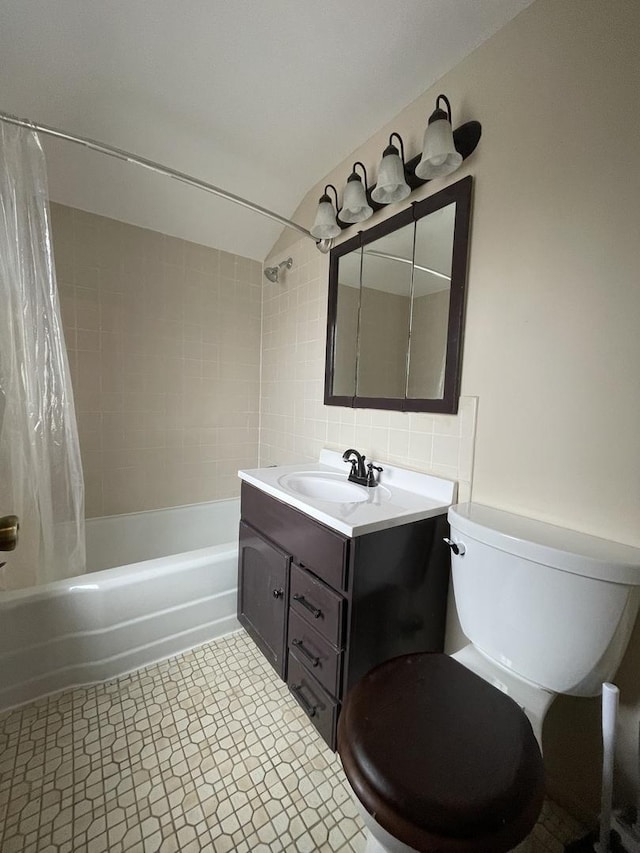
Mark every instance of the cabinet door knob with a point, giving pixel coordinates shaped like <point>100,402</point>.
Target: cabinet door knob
<point>278,593</point>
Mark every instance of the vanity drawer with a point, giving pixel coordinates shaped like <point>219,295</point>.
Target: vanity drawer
<point>318,656</point>
<point>320,606</point>
<point>321,709</point>
<point>319,549</point>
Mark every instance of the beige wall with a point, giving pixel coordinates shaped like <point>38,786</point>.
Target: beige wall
<point>163,339</point>
<point>551,347</point>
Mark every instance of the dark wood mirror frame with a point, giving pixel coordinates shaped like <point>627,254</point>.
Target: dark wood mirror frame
<point>460,193</point>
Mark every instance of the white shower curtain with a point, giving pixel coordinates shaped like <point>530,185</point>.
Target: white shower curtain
<point>40,469</point>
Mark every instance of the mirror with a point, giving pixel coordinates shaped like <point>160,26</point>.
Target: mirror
<point>396,300</point>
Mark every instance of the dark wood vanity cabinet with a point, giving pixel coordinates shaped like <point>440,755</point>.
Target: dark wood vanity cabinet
<point>263,594</point>
<point>325,609</point>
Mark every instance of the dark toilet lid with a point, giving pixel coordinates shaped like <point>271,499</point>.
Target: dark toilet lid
<point>443,760</point>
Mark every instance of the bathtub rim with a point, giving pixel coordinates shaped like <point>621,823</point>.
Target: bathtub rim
<point>154,567</point>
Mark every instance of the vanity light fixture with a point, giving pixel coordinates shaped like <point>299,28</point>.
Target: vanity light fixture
<point>392,185</point>
<point>439,154</point>
<point>325,226</point>
<point>355,204</point>
<point>443,151</point>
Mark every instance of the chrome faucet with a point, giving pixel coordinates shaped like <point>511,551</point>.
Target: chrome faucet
<point>358,473</point>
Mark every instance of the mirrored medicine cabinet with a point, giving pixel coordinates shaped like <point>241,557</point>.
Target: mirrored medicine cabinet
<point>396,308</point>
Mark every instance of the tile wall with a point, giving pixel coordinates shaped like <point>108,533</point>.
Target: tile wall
<point>163,338</point>
<point>295,423</point>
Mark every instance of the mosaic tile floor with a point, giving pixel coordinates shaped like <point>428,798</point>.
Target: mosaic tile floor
<point>203,752</point>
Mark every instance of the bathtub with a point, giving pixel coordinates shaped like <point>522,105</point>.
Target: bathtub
<point>157,583</point>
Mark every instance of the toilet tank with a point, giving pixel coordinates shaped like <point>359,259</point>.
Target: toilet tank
<point>554,606</point>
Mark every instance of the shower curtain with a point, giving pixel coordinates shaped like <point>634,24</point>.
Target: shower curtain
<point>40,470</point>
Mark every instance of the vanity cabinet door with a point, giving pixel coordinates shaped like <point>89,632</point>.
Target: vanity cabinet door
<point>263,594</point>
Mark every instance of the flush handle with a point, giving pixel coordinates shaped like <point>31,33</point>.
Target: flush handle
<point>9,527</point>
<point>457,547</point>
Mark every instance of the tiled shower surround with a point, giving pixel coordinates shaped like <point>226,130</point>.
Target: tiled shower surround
<point>163,338</point>
<point>204,752</point>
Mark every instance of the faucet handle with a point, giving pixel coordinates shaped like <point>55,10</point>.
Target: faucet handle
<point>371,477</point>
<point>354,464</point>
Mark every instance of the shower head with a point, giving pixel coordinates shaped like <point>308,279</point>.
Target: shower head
<point>273,273</point>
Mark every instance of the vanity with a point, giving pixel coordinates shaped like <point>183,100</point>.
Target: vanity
<point>335,578</point>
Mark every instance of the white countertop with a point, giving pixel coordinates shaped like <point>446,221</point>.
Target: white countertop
<point>403,496</point>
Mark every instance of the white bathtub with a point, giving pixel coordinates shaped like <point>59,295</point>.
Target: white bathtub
<point>113,620</point>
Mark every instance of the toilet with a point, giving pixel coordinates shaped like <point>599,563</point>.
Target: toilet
<point>444,753</point>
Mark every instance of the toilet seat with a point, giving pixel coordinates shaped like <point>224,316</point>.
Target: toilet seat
<point>440,758</point>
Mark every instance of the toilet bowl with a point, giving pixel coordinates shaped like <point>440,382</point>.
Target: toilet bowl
<point>444,753</point>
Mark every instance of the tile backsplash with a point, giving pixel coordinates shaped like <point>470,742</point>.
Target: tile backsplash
<point>163,338</point>
<point>295,423</point>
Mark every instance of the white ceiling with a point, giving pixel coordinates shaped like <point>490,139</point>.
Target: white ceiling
<point>260,97</point>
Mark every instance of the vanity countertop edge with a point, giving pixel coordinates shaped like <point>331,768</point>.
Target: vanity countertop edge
<point>414,496</point>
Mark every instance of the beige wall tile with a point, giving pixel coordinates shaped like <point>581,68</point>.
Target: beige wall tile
<point>163,339</point>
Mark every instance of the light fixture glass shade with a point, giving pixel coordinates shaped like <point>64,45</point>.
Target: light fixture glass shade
<point>391,186</point>
<point>325,226</point>
<point>355,207</point>
<point>439,155</point>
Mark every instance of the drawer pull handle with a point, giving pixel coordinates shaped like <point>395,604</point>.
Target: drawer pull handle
<point>311,658</point>
<point>303,601</point>
<point>310,710</point>
<point>278,593</point>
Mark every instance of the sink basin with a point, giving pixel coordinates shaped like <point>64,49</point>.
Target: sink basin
<point>324,486</point>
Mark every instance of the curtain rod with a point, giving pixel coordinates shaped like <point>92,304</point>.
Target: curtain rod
<point>155,167</point>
